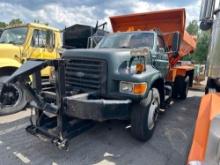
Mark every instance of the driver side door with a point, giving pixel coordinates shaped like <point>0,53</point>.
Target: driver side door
<point>42,47</point>
<point>161,59</point>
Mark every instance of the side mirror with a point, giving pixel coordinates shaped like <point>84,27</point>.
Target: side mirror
<point>176,43</point>
<point>206,25</point>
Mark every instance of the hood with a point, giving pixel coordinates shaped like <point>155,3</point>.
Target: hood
<point>116,55</point>
<point>97,51</point>
<point>10,51</point>
<point>117,59</point>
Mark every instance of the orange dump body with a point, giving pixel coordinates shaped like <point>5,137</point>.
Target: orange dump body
<point>209,109</point>
<point>167,21</point>
<point>188,45</point>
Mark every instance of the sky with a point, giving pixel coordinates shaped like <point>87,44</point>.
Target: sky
<point>64,13</point>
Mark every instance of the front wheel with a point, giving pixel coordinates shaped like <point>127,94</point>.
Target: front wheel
<point>13,98</point>
<point>144,116</point>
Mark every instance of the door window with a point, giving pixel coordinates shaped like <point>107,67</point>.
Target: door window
<point>43,39</point>
<point>160,44</point>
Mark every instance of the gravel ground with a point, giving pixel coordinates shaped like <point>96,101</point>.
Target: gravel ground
<point>107,143</point>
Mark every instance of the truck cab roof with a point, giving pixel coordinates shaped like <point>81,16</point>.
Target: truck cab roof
<point>129,40</point>
<point>35,25</point>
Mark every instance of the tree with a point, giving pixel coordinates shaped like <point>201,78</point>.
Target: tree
<point>3,24</point>
<point>15,22</point>
<point>202,47</point>
<point>193,28</point>
<point>38,21</point>
<point>200,54</point>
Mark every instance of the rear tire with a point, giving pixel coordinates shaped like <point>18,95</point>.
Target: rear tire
<point>181,87</point>
<point>144,115</point>
<point>184,88</point>
<point>18,94</point>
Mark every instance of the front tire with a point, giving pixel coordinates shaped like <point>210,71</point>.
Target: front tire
<point>13,98</point>
<point>144,115</point>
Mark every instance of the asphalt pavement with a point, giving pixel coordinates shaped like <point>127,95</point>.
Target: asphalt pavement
<point>108,143</point>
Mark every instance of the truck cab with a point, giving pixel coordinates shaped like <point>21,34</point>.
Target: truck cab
<point>31,41</point>
<point>19,44</point>
<point>124,68</point>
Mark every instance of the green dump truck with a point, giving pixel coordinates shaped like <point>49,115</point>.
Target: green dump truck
<point>128,76</point>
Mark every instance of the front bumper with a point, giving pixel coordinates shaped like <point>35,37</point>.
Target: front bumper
<point>89,106</point>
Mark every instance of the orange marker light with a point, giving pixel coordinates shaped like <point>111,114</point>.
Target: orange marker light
<point>139,89</point>
<point>139,68</point>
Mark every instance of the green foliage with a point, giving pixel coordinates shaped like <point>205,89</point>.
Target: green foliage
<point>193,28</point>
<point>15,22</point>
<point>201,52</point>
<point>203,38</point>
<point>3,24</point>
<point>38,21</point>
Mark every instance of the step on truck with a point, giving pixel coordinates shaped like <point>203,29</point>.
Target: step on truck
<point>132,74</point>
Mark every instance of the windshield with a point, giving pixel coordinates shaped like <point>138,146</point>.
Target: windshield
<point>14,35</point>
<point>127,40</point>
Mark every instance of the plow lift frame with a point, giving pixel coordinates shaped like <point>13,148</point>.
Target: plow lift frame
<point>58,127</point>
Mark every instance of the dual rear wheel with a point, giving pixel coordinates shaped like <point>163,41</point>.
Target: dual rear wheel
<point>181,87</point>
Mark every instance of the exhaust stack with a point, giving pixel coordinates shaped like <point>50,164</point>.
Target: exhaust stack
<point>207,9</point>
<point>207,14</point>
<point>208,21</point>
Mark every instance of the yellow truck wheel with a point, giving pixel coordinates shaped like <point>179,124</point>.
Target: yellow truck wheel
<point>13,98</point>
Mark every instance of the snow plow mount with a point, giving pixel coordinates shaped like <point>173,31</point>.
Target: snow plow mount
<point>49,119</point>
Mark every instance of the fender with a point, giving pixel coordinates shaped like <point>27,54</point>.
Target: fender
<point>11,63</point>
<point>154,79</point>
<point>158,82</point>
<point>8,62</point>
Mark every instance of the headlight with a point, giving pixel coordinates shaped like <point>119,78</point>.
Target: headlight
<point>126,87</point>
<point>133,88</point>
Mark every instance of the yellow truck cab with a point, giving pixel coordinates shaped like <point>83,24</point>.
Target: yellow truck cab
<point>20,43</point>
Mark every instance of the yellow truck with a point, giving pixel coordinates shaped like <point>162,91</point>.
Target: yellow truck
<point>18,44</point>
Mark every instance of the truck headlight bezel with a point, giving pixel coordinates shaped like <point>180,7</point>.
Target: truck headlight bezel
<point>132,88</point>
